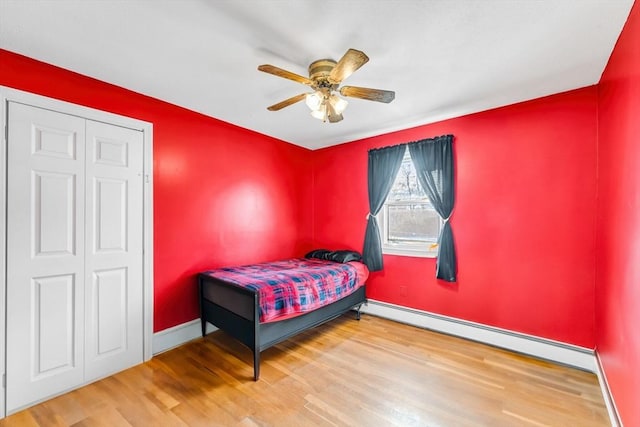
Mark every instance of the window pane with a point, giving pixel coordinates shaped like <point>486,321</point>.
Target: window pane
<point>413,223</point>
<point>406,186</point>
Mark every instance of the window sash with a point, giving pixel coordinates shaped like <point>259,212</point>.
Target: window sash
<point>408,247</point>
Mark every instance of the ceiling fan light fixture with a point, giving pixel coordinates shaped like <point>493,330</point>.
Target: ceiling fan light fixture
<point>320,113</point>
<point>338,104</point>
<point>314,100</point>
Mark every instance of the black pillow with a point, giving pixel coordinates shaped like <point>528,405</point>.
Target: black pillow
<point>336,256</point>
<point>318,253</point>
<point>345,256</point>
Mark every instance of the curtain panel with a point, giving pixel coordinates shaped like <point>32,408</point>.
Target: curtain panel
<point>383,167</point>
<point>433,160</point>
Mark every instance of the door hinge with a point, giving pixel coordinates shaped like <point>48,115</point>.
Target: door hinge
<point>4,380</point>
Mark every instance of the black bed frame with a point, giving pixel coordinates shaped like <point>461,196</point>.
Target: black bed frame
<point>236,311</point>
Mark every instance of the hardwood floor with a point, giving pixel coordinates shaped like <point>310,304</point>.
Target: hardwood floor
<point>373,372</point>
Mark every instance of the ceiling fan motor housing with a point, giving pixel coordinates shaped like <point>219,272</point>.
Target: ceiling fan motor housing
<point>319,71</point>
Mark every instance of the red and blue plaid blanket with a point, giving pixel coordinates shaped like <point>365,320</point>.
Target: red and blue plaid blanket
<point>293,286</point>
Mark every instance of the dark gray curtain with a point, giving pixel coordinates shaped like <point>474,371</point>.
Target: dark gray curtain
<point>433,160</point>
<point>384,164</point>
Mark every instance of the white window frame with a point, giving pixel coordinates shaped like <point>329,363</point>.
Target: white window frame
<point>413,249</point>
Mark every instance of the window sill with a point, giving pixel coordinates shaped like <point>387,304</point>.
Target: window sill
<point>419,253</point>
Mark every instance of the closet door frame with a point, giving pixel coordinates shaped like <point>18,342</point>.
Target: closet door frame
<point>12,95</point>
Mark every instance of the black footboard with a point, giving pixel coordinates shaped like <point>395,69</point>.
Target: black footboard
<point>235,310</point>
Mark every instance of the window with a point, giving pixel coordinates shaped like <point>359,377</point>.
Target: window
<point>410,225</point>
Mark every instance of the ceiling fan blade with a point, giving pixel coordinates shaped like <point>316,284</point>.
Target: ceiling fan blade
<point>378,95</point>
<point>287,102</point>
<point>271,69</point>
<point>350,62</point>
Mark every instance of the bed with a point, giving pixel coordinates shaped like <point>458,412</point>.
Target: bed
<point>263,304</point>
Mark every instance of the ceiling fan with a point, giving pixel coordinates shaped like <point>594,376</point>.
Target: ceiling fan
<point>325,75</point>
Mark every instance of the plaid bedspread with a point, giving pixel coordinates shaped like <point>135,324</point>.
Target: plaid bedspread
<point>292,286</point>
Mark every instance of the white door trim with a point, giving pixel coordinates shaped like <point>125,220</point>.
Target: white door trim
<point>13,95</point>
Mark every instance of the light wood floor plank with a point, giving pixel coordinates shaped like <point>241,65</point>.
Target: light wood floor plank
<point>373,372</point>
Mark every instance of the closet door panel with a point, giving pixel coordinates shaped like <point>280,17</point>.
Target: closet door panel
<point>45,257</point>
<point>114,236</point>
<point>53,205</point>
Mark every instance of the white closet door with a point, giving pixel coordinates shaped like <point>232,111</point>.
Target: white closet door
<point>45,256</point>
<point>114,291</point>
<point>74,252</point>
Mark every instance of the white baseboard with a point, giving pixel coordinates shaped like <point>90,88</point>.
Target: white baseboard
<point>567,354</point>
<point>555,351</point>
<point>178,335</point>
<point>606,394</point>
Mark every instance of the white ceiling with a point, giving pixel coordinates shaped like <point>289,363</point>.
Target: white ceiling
<point>443,58</point>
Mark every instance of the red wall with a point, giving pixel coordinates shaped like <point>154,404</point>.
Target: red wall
<point>222,194</point>
<point>618,222</point>
<point>524,221</point>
